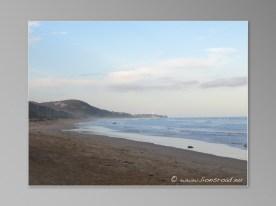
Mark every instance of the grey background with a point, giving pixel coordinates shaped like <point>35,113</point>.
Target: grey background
<point>14,189</point>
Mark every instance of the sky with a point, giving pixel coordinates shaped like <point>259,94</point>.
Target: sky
<point>174,68</point>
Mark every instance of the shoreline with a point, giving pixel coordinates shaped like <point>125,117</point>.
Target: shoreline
<point>217,149</point>
<point>89,159</point>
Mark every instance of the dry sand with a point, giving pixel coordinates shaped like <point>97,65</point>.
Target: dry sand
<point>59,157</point>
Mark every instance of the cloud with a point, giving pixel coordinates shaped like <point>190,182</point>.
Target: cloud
<point>158,84</point>
<point>179,70</point>
<point>60,82</point>
<point>58,33</point>
<point>222,50</point>
<point>165,85</point>
<point>33,38</point>
<point>181,85</point>
<point>229,82</point>
<point>169,74</point>
<point>32,25</point>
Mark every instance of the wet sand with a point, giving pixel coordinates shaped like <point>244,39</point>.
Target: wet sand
<point>58,157</point>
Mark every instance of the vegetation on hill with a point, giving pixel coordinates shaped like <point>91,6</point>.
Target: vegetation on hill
<point>75,109</point>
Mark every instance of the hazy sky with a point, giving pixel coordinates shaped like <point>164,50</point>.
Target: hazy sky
<point>177,68</point>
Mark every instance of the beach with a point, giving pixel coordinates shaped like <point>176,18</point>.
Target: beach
<point>58,156</point>
<point>225,137</point>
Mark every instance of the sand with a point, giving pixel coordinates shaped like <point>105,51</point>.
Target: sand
<point>217,149</point>
<point>58,157</point>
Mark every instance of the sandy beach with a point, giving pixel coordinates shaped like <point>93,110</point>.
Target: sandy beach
<point>58,157</point>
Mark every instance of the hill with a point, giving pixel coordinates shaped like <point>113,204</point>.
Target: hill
<point>75,109</point>
<point>79,109</point>
<point>68,109</point>
<point>40,112</point>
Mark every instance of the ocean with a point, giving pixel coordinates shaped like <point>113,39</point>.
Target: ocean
<point>222,136</point>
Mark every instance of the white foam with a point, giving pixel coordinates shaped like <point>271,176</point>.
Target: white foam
<point>199,146</point>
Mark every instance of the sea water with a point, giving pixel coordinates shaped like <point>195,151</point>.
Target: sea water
<point>223,136</point>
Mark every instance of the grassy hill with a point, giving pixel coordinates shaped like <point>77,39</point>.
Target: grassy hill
<point>68,109</point>
<point>40,112</point>
<point>75,109</point>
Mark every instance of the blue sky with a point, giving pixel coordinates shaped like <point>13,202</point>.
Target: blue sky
<point>131,64</point>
